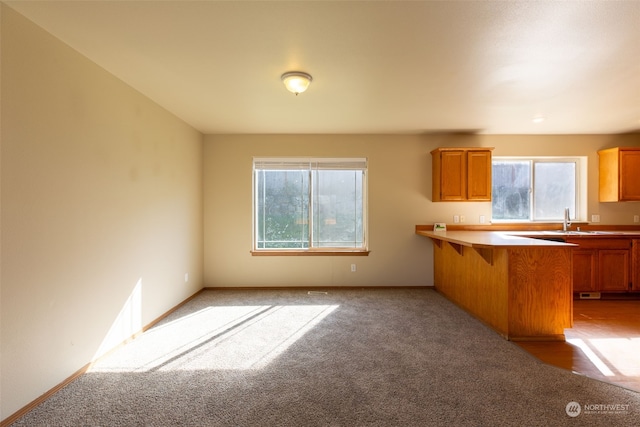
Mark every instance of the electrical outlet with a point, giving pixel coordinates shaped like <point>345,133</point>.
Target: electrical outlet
<point>595,218</point>
<point>353,268</point>
<point>186,277</point>
<point>456,218</point>
<point>481,219</point>
<point>636,218</point>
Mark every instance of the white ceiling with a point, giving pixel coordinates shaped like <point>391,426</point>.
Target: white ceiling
<point>378,66</point>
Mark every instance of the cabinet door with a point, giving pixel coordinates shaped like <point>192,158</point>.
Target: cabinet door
<point>613,269</point>
<point>479,175</point>
<point>584,270</point>
<point>453,175</point>
<point>630,175</point>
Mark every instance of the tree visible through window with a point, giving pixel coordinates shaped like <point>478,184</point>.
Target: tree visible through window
<point>306,204</point>
<point>537,189</point>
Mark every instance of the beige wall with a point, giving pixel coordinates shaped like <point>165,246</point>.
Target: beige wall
<point>399,198</point>
<point>398,185</point>
<point>101,211</point>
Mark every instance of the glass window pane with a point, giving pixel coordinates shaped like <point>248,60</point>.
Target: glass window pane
<point>511,183</point>
<point>282,209</point>
<point>555,190</point>
<point>337,209</point>
<point>309,203</point>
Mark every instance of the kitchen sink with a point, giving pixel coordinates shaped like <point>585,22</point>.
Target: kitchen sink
<point>579,233</point>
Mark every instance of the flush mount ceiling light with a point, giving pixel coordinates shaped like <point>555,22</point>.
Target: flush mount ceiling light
<point>538,118</point>
<point>296,81</point>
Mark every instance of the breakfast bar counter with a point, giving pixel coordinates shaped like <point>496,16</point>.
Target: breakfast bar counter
<point>520,287</point>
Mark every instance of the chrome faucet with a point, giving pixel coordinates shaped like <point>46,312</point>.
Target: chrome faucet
<point>567,220</point>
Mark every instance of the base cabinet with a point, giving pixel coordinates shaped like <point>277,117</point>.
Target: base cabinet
<point>602,265</point>
<point>613,270</point>
<point>585,269</point>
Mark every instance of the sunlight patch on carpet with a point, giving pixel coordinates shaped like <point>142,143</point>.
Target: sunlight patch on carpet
<point>221,337</point>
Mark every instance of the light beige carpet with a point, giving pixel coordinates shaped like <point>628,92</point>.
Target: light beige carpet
<point>342,358</point>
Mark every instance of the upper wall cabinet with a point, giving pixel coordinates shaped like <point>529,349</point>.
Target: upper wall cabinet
<point>619,174</point>
<point>461,174</point>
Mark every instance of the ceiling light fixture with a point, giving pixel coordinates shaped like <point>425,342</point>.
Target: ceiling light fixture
<point>538,119</point>
<point>296,81</point>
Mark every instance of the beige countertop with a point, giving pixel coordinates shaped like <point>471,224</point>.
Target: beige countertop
<point>489,239</point>
<point>573,233</point>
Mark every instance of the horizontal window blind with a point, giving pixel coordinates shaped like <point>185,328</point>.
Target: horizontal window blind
<point>298,163</point>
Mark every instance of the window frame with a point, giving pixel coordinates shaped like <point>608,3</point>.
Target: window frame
<point>294,163</point>
<point>580,182</point>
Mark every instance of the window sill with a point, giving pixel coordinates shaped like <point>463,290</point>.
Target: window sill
<point>309,253</point>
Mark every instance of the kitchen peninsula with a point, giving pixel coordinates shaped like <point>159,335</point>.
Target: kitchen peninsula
<point>520,287</point>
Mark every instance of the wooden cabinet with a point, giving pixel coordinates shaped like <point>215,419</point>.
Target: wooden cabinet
<point>613,270</point>
<point>461,174</point>
<point>635,265</point>
<point>601,265</point>
<point>585,263</point>
<point>619,174</point>
<point>522,291</point>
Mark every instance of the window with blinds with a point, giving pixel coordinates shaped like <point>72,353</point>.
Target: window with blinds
<point>309,204</point>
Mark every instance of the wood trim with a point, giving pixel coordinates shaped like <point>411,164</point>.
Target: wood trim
<point>311,288</point>
<point>26,409</point>
<point>546,338</point>
<point>441,149</point>
<point>309,253</point>
<point>46,395</point>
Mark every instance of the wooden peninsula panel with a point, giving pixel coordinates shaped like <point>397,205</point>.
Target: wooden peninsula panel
<point>540,293</point>
<point>520,287</point>
<point>468,280</point>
